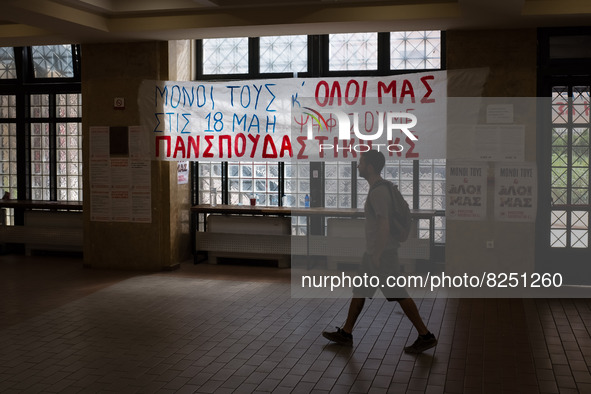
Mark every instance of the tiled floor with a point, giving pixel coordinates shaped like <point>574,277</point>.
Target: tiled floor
<point>236,329</point>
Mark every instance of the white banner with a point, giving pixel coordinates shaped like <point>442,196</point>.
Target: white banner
<point>296,119</point>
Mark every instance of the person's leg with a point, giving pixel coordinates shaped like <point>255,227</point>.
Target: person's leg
<point>426,339</point>
<point>343,335</point>
<point>355,309</point>
<point>412,312</point>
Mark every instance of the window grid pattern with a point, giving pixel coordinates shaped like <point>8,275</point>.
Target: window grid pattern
<point>69,105</point>
<point>297,186</point>
<point>40,162</point>
<point>7,63</point>
<point>39,106</point>
<point>69,162</point>
<point>569,226</point>
<point>432,196</point>
<point>53,61</point>
<point>225,56</point>
<point>8,163</point>
<point>210,178</point>
<point>280,54</point>
<point>353,52</point>
<point>338,185</point>
<point>415,50</point>
<point>253,180</point>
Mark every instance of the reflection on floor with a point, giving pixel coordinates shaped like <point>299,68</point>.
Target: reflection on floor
<point>225,328</point>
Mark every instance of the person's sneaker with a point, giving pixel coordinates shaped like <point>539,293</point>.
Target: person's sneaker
<point>422,343</point>
<point>339,336</point>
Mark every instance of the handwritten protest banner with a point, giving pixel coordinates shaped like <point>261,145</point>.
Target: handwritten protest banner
<point>296,119</point>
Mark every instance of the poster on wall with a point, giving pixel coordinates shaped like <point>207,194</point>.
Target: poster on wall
<point>404,116</point>
<point>182,169</point>
<point>499,142</point>
<point>120,175</point>
<point>515,192</point>
<point>466,191</point>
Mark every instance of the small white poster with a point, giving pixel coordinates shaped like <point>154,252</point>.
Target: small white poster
<point>182,172</point>
<point>466,191</point>
<point>515,192</point>
<point>499,142</point>
<point>99,142</point>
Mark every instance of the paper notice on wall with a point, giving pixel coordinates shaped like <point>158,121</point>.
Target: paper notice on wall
<point>466,191</point>
<point>141,174</point>
<point>142,206</point>
<point>182,169</point>
<point>515,192</point>
<point>499,113</point>
<point>499,142</point>
<point>100,206</point>
<point>120,206</point>
<point>99,142</point>
<point>139,141</point>
<point>100,174</point>
<point>120,175</point>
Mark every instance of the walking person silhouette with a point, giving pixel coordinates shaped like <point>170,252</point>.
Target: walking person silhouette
<point>380,257</point>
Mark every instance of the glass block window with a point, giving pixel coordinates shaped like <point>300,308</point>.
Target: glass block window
<point>415,50</point>
<point>280,54</point>
<point>210,178</point>
<point>297,185</point>
<point>432,196</point>
<point>337,190</point>
<point>569,175</point>
<point>69,105</point>
<point>353,52</point>
<point>8,158</point>
<point>7,106</point>
<point>258,180</point>
<point>69,162</point>
<point>52,61</point>
<point>40,162</point>
<point>7,63</point>
<point>225,56</point>
<point>39,106</point>
<point>8,163</point>
<point>400,172</point>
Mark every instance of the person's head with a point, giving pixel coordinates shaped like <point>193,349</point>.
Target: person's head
<point>371,163</point>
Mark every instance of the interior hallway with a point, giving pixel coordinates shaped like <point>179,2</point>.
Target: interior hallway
<point>227,329</point>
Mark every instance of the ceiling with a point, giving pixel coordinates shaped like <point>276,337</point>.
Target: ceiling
<point>37,22</point>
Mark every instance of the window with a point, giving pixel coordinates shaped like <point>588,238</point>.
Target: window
<point>281,54</point>
<point>225,56</point>
<point>8,149</point>
<point>422,182</point>
<point>7,64</point>
<point>570,167</point>
<point>351,52</point>
<point>258,179</point>
<point>415,50</point>
<point>40,123</point>
<point>53,61</point>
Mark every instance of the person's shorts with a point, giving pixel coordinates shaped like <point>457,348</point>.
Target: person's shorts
<point>389,266</point>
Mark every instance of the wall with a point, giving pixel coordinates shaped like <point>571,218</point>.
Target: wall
<point>511,56</point>
<point>116,70</point>
<point>180,68</point>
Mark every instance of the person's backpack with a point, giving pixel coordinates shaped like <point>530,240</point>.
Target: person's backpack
<point>400,219</point>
